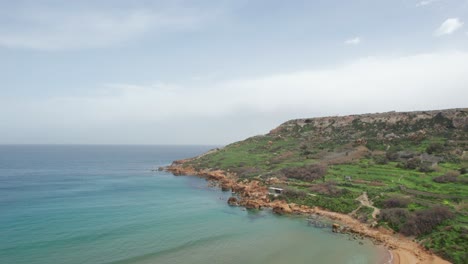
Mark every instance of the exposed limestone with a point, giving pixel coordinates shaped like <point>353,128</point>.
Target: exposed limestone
<point>281,207</point>
<point>251,204</point>
<point>335,227</point>
<point>232,201</point>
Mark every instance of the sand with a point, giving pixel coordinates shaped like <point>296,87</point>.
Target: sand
<point>403,250</point>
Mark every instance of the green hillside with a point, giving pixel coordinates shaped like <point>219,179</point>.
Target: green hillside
<point>412,166</point>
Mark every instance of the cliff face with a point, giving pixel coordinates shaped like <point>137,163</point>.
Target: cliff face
<point>410,165</point>
<point>382,127</point>
<point>458,117</point>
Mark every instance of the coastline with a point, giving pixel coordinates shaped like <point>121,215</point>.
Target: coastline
<point>253,195</point>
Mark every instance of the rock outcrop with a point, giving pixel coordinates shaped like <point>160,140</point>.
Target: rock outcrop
<point>232,201</point>
<point>281,208</point>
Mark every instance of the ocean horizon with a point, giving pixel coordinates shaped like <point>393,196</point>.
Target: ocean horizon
<point>108,204</point>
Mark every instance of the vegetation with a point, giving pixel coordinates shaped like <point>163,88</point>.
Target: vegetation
<point>415,223</point>
<point>395,202</point>
<point>413,166</point>
<point>364,214</point>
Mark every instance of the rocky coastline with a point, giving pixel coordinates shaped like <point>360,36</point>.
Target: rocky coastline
<point>253,194</point>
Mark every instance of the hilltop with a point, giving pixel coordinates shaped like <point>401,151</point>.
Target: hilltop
<point>405,171</point>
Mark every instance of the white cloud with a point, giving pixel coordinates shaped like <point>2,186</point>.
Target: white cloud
<point>231,110</point>
<point>426,2</point>
<point>48,29</point>
<point>448,27</point>
<point>353,41</point>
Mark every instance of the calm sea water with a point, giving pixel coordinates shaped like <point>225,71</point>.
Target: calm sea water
<point>103,204</point>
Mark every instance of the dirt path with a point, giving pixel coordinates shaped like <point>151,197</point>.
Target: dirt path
<point>364,200</point>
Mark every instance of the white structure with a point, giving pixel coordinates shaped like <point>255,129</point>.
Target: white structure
<point>275,191</point>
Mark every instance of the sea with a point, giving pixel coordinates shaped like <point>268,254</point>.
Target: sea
<point>109,204</point>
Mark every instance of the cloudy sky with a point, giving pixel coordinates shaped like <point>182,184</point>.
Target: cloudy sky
<point>213,72</point>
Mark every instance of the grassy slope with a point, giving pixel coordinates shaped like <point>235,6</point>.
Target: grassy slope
<point>374,150</point>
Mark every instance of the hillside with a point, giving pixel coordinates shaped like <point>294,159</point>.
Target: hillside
<point>405,171</point>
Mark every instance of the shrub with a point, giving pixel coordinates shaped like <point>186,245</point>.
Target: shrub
<point>380,159</point>
<point>246,172</point>
<point>434,148</point>
<point>450,176</point>
<point>463,170</point>
<point>452,173</point>
<point>412,163</point>
<point>395,202</point>
<point>294,193</point>
<point>395,217</point>
<point>426,167</point>
<point>329,189</point>
<point>392,155</point>
<point>424,221</point>
<point>305,173</point>
<point>375,145</point>
<point>445,179</point>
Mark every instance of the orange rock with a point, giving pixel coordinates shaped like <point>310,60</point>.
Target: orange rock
<point>233,201</point>
<point>251,204</point>
<point>282,209</point>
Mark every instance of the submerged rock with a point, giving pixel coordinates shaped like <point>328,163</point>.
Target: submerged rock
<point>232,201</point>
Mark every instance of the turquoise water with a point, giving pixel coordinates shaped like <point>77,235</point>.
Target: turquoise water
<point>103,204</point>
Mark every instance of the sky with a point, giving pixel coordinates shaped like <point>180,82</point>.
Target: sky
<point>214,72</point>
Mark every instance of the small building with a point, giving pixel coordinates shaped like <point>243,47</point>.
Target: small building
<point>275,191</point>
<point>347,178</point>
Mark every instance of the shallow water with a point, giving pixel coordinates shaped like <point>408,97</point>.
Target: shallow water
<point>103,204</point>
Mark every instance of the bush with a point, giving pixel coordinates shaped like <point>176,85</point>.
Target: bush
<point>424,221</point>
<point>450,176</point>
<point>417,223</point>
<point>380,159</point>
<point>435,148</point>
<point>246,172</point>
<point>452,173</point>
<point>395,202</point>
<point>306,173</point>
<point>450,242</point>
<point>392,155</point>
<point>412,163</point>
<point>445,179</point>
<point>395,217</point>
<point>329,189</point>
<point>294,193</point>
<point>426,167</point>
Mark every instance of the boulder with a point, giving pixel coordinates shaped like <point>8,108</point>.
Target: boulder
<point>251,204</point>
<point>335,227</point>
<point>232,201</point>
<point>226,185</point>
<point>282,208</point>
